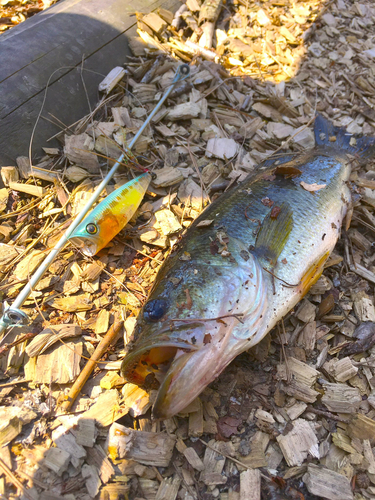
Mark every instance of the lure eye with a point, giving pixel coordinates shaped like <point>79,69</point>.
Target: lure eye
<point>91,228</point>
<point>154,310</point>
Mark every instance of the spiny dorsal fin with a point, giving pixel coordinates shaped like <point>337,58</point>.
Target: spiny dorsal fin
<point>274,233</point>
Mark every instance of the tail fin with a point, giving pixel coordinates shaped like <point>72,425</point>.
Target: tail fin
<point>326,134</point>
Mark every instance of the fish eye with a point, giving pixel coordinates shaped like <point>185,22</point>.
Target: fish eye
<point>154,310</point>
<point>91,228</point>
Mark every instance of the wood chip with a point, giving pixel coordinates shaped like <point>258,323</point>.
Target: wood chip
<point>28,264</point>
<point>50,336</point>
<point>341,370</point>
<point>97,458</point>
<point>155,22</point>
<point>105,410</point>
<point>57,460</point>
<point>222,148</point>
<point>111,80</point>
<point>168,176</point>
<point>9,174</point>
<point>250,485</point>
<point>273,67</point>
<point>73,304</point>
<point>168,488</point>
<point>184,111</point>
<point>64,440</point>
<point>31,189</point>
<point>297,444</point>
<point>148,448</point>
<point>193,459</point>
<point>328,484</point>
<point>60,365</point>
<point>78,149</point>
<point>341,398</point>
<point>361,427</point>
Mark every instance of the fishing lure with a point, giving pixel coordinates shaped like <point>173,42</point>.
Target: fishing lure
<point>110,216</point>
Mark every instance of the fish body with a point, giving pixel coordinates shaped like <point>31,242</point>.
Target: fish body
<point>228,283</point>
<point>110,216</point>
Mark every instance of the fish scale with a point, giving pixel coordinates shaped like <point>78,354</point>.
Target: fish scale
<point>227,284</point>
<point>239,201</point>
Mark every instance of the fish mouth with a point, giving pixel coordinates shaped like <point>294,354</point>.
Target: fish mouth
<point>86,246</point>
<point>175,392</point>
<point>182,369</point>
<point>152,359</point>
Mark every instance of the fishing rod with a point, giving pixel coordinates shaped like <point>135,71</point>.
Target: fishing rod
<point>13,316</point>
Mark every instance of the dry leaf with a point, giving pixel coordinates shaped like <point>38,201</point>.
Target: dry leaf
<point>312,187</point>
<point>205,223</point>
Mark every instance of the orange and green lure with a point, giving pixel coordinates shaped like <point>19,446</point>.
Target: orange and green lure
<point>110,216</point>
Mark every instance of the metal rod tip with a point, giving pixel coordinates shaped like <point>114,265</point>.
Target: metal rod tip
<point>184,69</point>
<point>15,317</point>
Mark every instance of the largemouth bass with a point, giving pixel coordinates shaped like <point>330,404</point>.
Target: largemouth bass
<point>234,276</point>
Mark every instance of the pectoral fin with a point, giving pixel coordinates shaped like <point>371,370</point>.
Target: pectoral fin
<point>274,233</point>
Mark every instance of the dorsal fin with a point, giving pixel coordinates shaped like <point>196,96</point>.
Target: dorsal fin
<point>326,134</point>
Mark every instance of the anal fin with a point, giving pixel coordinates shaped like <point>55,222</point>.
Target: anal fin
<point>312,274</point>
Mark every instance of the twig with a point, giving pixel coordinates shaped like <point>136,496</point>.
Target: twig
<point>218,85</point>
<point>47,225</point>
<point>131,162</point>
<point>287,369</point>
<point>6,347</point>
<point>101,349</point>
<point>142,253</point>
<point>233,459</point>
<point>87,97</point>
<point>327,414</point>
<point>203,187</point>
<point>101,103</point>
<point>283,145</point>
<point>12,478</point>
<point>59,124</point>
<point>106,272</point>
<point>15,382</point>
<point>188,487</point>
<point>41,109</point>
<point>42,485</point>
<point>22,210</point>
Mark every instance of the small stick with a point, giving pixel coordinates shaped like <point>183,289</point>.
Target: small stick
<point>327,414</point>
<point>287,369</point>
<point>12,478</point>
<point>6,347</point>
<point>245,466</point>
<point>15,382</point>
<point>142,253</point>
<point>187,486</point>
<point>290,138</point>
<point>194,161</point>
<point>86,372</point>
